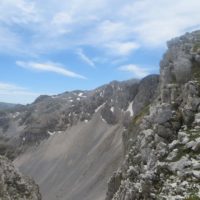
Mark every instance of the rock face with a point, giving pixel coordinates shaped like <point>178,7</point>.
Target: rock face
<point>15,186</point>
<point>146,93</point>
<point>162,146</point>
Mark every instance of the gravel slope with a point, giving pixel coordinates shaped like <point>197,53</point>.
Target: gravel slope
<point>75,164</point>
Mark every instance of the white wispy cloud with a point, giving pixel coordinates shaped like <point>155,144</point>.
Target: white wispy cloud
<point>137,71</point>
<point>62,18</point>
<point>9,87</point>
<point>113,37</point>
<point>70,24</point>
<point>15,94</point>
<point>49,67</point>
<point>18,12</point>
<point>85,58</point>
<point>154,25</point>
<point>122,48</point>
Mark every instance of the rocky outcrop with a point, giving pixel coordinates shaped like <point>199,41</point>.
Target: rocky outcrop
<point>4,121</point>
<point>15,186</point>
<point>162,146</point>
<point>146,93</point>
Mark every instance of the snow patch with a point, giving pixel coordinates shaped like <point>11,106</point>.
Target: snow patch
<point>54,132</point>
<point>103,119</point>
<point>51,133</point>
<point>130,109</point>
<point>97,109</point>
<point>15,115</point>
<point>80,94</point>
<point>102,94</point>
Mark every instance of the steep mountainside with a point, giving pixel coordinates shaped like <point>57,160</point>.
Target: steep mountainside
<point>70,143</point>
<point>15,186</point>
<point>162,147</point>
<point>27,125</point>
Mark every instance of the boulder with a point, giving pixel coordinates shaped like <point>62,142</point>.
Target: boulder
<point>164,132</point>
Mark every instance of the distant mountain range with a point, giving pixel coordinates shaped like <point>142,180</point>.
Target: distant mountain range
<point>5,106</point>
<point>79,132</point>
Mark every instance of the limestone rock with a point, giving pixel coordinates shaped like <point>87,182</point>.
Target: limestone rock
<point>164,132</point>
<point>163,161</point>
<point>13,185</point>
<point>146,92</point>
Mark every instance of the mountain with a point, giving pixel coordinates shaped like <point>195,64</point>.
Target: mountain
<point>5,106</point>
<point>140,136</point>
<point>162,154</point>
<point>70,143</point>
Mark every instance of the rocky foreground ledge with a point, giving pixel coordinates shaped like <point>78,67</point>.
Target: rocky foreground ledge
<point>14,186</point>
<point>162,147</point>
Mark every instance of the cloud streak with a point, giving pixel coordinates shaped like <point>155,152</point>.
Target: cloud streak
<point>85,58</point>
<point>137,71</point>
<point>122,48</point>
<point>49,67</point>
<point>75,25</point>
<point>15,94</point>
<point>166,19</point>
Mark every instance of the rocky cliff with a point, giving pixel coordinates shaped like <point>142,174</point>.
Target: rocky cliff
<point>15,186</point>
<point>162,146</point>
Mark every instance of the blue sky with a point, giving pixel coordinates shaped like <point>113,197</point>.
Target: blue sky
<point>51,46</point>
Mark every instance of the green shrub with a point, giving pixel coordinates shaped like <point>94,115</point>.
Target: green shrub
<point>192,197</point>
<point>195,71</point>
<point>196,47</point>
<point>138,118</point>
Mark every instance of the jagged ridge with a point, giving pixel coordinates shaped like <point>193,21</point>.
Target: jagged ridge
<point>162,147</point>
<point>49,115</point>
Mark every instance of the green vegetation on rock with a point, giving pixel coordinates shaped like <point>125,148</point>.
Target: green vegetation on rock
<point>137,119</point>
<point>192,197</point>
